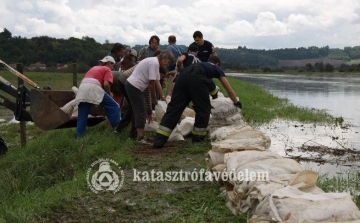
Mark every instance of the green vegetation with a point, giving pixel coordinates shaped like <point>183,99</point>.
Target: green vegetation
<point>86,52</point>
<point>46,180</point>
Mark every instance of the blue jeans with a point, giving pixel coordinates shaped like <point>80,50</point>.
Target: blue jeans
<point>112,114</point>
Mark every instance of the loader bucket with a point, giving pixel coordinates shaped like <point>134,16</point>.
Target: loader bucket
<point>46,113</point>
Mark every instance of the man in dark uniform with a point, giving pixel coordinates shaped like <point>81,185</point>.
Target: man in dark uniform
<point>206,48</point>
<point>192,84</point>
<point>186,59</point>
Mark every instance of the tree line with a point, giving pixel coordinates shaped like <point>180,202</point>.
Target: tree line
<point>86,52</point>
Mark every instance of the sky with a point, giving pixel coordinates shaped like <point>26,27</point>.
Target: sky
<point>256,24</point>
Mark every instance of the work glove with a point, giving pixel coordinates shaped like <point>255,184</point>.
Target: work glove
<point>238,104</point>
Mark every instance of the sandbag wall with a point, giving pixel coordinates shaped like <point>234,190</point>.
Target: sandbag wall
<point>278,189</point>
<point>272,188</point>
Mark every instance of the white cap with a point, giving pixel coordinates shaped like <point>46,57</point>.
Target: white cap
<point>133,52</point>
<point>108,59</point>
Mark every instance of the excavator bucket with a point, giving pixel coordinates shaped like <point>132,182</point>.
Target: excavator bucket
<point>46,113</point>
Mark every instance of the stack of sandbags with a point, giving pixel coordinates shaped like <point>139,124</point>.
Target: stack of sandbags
<point>224,113</point>
<point>272,188</point>
<point>182,130</point>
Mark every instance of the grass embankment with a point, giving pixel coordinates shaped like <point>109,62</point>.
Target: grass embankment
<point>46,180</point>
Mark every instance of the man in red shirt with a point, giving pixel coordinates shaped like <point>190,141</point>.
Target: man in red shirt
<point>95,89</point>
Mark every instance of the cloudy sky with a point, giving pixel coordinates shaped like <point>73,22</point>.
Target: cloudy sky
<point>259,24</point>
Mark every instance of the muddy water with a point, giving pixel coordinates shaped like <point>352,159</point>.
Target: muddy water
<point>327,149</point>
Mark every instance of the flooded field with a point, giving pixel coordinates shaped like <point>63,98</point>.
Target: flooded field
<point>326,149</point>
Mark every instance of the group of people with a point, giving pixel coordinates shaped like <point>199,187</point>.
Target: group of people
<point>139,77</point>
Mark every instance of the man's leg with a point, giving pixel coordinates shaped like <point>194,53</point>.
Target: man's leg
<point>200,97</point>
<point>137,102</point>
<point>175,108</point>
<point>112,110</point>
<point>83,112</point>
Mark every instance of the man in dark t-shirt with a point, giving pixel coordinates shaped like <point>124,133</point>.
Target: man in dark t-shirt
<point>206,48</point>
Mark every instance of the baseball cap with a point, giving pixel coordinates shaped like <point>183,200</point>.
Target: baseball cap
<point>108,59</point>
<point>133,52</point>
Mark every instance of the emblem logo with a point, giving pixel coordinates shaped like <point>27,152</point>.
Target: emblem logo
<point>105,175</point>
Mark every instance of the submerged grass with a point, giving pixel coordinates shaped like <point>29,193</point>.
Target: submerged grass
<point>259,106</point>
<point>46,180</point>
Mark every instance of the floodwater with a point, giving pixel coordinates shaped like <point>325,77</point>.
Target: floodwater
<point>326,149</point>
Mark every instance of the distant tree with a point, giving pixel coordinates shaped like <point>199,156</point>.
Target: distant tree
<point>329,68</point>
<point>321,67</point>
<point>6,34</point>
<point>266,70</point>
<point>309,67</point>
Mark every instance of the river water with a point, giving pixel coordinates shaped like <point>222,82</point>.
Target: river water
<point>339,95</point>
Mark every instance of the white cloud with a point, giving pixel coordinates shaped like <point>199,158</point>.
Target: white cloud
<point>25,6</point>
<point>228,23</point>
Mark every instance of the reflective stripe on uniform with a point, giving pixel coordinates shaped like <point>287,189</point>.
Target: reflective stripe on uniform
<point>164,131</point>
<point>199,131</point>
<point>214,91</point>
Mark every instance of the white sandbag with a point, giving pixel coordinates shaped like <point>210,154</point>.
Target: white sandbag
<point>151,127</point>
<point>160,110</point>
<point>176,135</point>
<point>291,203</point>
<point>186,126</point>
<point>272,166</point>
<point>236,159</point>
<point>219,168</point>
<point>222,132</point>
<point>304,179</point>
<point>213,158</point>
<point>231,145</point>
<point>259,219</point>
<point>188,112</point>
<point>224,112</point>
<point>235,119</point>
<point>223,108</point>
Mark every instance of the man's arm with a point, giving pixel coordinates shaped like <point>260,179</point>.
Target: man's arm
<point>107,88</point>
<point>153,92</point>
<point>228,88</point>
<point>180,61</point>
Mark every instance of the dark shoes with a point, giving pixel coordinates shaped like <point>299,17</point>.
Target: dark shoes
<point>197,138</point>
<point>160,141</point>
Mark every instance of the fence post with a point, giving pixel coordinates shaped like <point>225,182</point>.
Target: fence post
<point>74,66</point>
<point>19,68</point>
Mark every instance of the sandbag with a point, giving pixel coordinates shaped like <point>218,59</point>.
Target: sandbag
<point>213,158</point>
<point>222,132</point>
<point>237,159</point>
<point>186,126</point>
<point>160,110</point>
<point>231,145</point>
<point>292,205</point>
<point>176,135</point>
<point>151,127</point>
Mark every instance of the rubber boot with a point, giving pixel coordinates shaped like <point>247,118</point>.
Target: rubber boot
<point>159,141</point>
<point>197,138</point>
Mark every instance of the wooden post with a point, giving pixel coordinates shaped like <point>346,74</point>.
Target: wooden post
<point>19,68</point>
<point>74,74</point>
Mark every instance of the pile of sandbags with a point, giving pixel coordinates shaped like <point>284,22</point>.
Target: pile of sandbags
<point>183,129</point>
<point>256,180</point>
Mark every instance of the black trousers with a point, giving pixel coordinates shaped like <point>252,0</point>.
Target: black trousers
<point>191,85</point>
<point>128,116</point>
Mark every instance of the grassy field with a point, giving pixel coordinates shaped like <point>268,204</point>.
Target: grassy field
<point>46,180</point>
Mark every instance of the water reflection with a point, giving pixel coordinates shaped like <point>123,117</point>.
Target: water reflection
<point>338,95</point>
